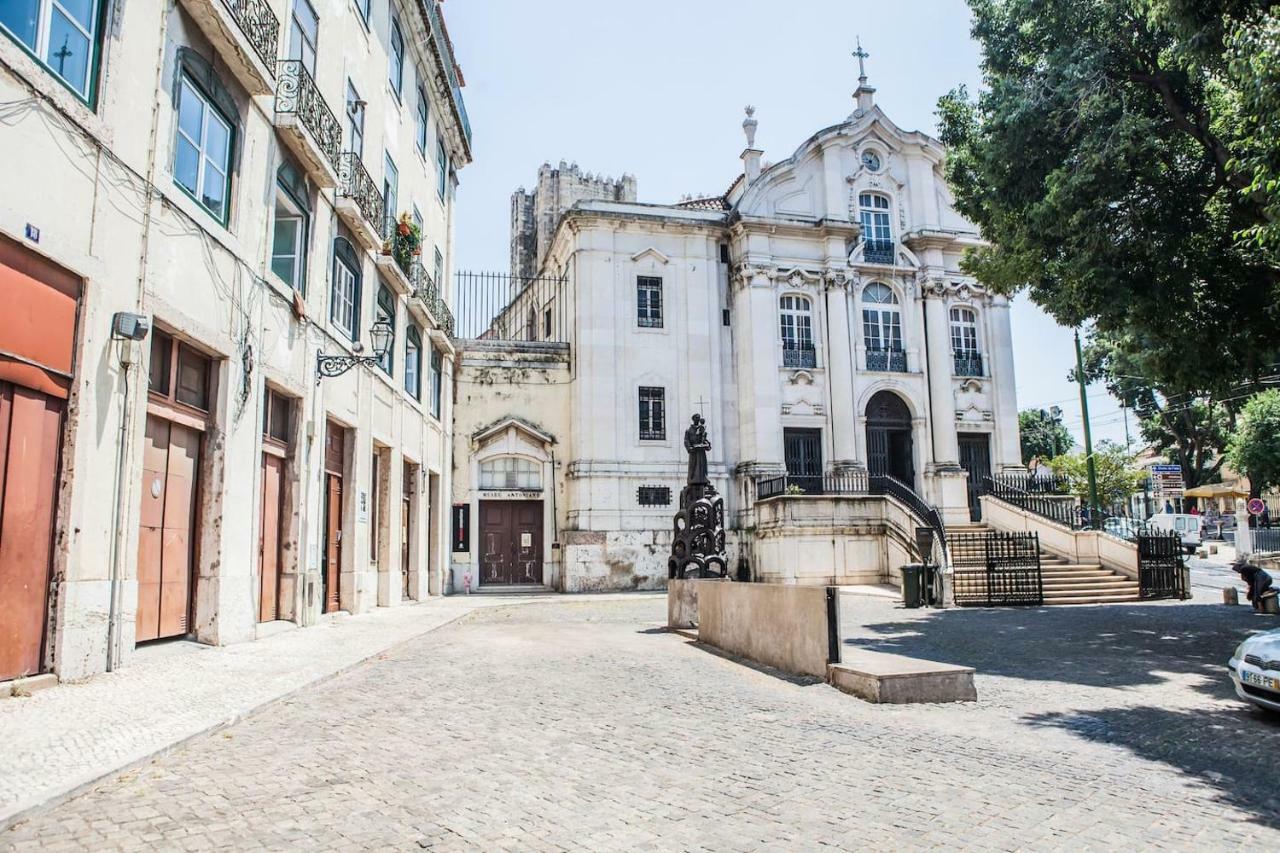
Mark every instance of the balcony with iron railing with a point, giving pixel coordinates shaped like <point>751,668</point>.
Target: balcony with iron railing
<point>307,124</point>
<point>967,363</point>
<point>359,202</point>
<point>799,355</point>
<point>246,36</point>
<point>399,253</point>
<point>877,251</point>
<point>886,360</point>
<point>427,295</point>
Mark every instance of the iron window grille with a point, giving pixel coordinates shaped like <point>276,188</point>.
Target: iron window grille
<point>649,302</point>
<point>886,360</point>
<point>653,416</point>
<point>968,363</point>
<point>654,495</point>
<point>797,356</point>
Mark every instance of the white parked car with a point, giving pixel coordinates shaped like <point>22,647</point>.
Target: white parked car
<point>1185,525</point>
<point>1255,670</point>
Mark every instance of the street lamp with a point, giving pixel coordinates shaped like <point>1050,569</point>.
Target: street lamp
<point>381,334</point>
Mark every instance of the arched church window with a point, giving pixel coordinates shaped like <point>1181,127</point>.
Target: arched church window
<point>877,233</point>
<point>511,472</point>
<point>882,328</point>
<point>796,317</point>
<point>964,342</point>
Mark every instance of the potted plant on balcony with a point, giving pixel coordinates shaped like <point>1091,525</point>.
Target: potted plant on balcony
<point>405,244</point>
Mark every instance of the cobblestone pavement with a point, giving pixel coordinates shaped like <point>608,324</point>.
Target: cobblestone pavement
<point>582,725</point>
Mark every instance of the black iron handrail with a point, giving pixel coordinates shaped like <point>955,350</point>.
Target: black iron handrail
<point>260,26</point>
<point>297,94</point>
<point>927,515</point>
<point>425,289</point>
<point>1040,496</point>
<point>886,359</point>
<point>851,483</point>
<point>355,183</point>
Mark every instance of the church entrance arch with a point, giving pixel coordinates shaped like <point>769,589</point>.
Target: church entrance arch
<point>889,443</point>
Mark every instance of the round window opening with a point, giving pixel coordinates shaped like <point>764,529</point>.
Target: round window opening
<point>871,160</point>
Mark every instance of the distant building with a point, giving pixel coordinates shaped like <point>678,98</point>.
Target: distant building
<point>534,215</point>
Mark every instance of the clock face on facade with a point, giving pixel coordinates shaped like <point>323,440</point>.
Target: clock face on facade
<point>871,160</point>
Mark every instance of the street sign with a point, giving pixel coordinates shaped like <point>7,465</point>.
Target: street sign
<point>1167,469</point>
<point>1256,506</point>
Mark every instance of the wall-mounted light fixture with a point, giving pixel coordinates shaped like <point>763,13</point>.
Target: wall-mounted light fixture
<point>380,335</point>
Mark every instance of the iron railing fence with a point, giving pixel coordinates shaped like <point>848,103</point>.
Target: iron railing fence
<point>967,363</point>
<point>886,359</point>
<point>298,94</point>
<point>926,514</point>
<point>260,26</point>
<point>426,291</point>
<point>1044,501</point>
<point>1264,540</point>
<point>996,569</point>
<point>878,251</point>
<point>355,183</point>
<point>799,355</point>
<point>1160,566</point>
<point>502,307</point>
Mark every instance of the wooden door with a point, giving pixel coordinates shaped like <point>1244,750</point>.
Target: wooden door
<point>511,542</point>
<point>332,542</point>
<point>406,527</point>
<point>30,442</point>
<point>975,458</point>
<point>269,540</point>
<point>166,540</point>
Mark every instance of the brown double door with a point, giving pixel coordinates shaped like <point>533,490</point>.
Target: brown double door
<point>334,446</point>
<point>269,553</point>
<point>166,544</point>
<point>30,441</point>
<point>511,540</point>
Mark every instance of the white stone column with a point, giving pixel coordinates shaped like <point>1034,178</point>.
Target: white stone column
<point>766,414</point>
<point>844,423</point>
<point>942,400</point>
<point>1008,449</point>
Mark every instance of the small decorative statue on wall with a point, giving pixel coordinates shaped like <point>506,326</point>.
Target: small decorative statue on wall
<point>697,547</point>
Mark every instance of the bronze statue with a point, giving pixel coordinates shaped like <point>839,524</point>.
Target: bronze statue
<point>697,546</point>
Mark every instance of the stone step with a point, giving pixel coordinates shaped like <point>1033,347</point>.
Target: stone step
<point>1093,599</point>
<point>1089,589</point>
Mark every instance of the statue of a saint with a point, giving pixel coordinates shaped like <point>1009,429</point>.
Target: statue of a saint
<point>697,443</point>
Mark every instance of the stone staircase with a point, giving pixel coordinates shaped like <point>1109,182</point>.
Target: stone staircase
<point>1074,583</point>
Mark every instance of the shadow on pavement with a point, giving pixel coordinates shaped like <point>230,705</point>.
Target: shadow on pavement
<point>1104,646</point>
<point>1232,751</point>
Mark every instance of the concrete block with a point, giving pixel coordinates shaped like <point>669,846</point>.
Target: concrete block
<point>894,679</point>
<point>682,602</point>
<point>27,686</point>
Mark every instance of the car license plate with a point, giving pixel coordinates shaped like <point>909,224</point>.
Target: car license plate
<point>1260,680</point>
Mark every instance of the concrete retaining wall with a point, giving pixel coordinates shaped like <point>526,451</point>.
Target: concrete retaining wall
<point>682,602</point>
<point>785,627</point>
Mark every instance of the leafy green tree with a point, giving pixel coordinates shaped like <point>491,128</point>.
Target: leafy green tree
<point>1121,161</point>
<point>1118,478</point>
<point>1042,434</point>
<point>1254,449</point>
<point>1188,426</point>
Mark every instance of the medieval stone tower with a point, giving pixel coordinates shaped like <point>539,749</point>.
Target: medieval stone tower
<point>534,215</point>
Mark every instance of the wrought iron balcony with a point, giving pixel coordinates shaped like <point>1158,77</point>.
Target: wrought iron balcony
<point>246,36</point>
<point>260,26</point>
<point>877,251</point>
<point>968,363</point>
<point>426,291</point>
<point>307,123</point>
<point>799,355</point>
<point>359,199</point>
<point>886,360</point>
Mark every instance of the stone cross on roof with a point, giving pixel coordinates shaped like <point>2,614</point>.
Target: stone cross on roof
<point>863,56</point>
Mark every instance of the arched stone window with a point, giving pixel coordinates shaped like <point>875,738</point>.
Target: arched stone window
<point>877,232</point>
<point>882,328</point>
<point>796,318</point>
<point>964,342</point>
<point>511,472</point>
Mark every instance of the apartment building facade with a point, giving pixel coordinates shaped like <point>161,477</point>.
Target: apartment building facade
<point>225,348</point>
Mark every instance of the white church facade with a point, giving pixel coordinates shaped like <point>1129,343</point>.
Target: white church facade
<point>815,314</point>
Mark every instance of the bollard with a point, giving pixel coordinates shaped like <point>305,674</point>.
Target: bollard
<point>1230,595</point>
<point>1271,604</point>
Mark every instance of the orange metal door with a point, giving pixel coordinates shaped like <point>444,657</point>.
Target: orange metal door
<point>170,460</point>
<point>30,440</point>
<point>269,563</point>
<point>333,541</point>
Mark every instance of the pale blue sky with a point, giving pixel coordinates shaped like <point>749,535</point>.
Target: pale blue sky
<point>656,88</point>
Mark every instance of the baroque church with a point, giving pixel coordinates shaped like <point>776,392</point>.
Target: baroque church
<point>814,313</point>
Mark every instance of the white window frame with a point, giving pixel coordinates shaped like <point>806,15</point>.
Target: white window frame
<point>796,321</point>
<point>298,37</point>
<point>395,58</point>
<point>355,120</point>
<point>424,115</point>
<point>442,168</point>
<point>208,110</point>
<point>964,331</point>
<point>345,293</point>
<point>874,216</point>
<point>437,383</point>
<point>297,215</point>
<point>44,29</point>
<point>510,473</point>
<point>881,325</point>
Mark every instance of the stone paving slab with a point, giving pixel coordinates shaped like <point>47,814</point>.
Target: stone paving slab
<point>58,741</point>
<point>584,726</point>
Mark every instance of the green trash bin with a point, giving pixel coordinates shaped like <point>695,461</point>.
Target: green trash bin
<point>913,585</point>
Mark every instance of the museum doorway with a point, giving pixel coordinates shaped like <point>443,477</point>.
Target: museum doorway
<point>890,449</point>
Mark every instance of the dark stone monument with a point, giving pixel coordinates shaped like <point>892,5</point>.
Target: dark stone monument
<point>697,548</point>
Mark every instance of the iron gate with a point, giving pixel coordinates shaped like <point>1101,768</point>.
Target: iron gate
<point>1160,566</point>
<point>996,569</point>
